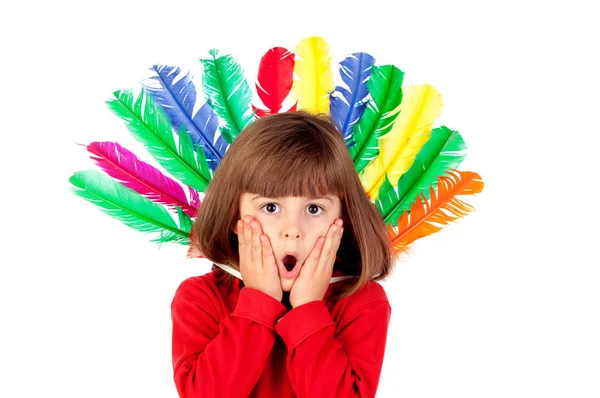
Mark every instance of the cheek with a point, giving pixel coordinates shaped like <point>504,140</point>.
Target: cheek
<point>267,227</point>
<point>314,234</point>
<point>325,225</point>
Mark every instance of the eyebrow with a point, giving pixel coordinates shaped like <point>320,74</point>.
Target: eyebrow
<point>320,197</point>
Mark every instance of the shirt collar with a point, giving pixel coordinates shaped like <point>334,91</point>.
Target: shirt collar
<point>336,275</point>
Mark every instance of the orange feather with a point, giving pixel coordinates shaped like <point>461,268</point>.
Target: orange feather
<point>426,218</point>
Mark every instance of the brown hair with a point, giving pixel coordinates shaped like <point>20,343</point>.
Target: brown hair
<point>295,154</point>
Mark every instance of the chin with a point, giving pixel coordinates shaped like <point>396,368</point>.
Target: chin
<point>286,285</point>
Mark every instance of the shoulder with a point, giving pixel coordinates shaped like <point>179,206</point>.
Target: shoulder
<point>200,287</point>
<point>198,297</point>
<point>372,293</point>
<point>191,285</point>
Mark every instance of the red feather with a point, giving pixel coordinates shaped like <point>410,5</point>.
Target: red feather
<point>275,78</point>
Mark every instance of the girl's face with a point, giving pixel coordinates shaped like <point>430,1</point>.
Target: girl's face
<point>293,225</point>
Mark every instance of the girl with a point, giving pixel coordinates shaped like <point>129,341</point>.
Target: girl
<point>291,307</point>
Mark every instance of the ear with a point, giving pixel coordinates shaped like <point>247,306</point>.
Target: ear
<point>234,227</point>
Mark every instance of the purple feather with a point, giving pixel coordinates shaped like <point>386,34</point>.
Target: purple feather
<point>348,104</point>
<point>177,99</point>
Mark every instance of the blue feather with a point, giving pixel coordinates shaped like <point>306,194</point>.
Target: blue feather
<point>348,108</point>
<point>177,99</point>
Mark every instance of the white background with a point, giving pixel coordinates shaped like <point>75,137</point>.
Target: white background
<point>505,303</point>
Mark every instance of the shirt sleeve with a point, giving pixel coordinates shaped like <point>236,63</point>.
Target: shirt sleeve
<point>323,365</point>
<point>226,358</point>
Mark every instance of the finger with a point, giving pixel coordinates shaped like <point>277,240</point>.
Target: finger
<point>313,258</point>
<point>248,239</point>
<point>256,244</point>
<point>243,247</point>
<point>267,253</point>
<point>330,247</point>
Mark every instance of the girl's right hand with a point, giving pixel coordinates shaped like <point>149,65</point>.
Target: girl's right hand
<point>257,262</point>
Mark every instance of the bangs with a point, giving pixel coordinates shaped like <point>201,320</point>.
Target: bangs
<point>288,174</point>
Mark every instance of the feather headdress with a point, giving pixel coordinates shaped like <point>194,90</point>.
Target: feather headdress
<point>407,167</point>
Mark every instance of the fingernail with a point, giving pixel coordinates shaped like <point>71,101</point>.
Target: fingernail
<point>339,222</point>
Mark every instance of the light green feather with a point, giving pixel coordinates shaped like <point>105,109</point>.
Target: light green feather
<point>149,125</point>
<point>131,208</point>
<point>229,94</point>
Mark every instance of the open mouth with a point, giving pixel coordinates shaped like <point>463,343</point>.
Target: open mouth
<point>289,262</point>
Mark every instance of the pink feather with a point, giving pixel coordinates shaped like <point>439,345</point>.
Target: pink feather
<point>124,166</point>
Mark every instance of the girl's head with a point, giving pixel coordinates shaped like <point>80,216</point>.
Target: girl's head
<point>293,173</point>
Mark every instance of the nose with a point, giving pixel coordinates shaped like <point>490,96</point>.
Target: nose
<point>291,229</point>
<point>292,235</point>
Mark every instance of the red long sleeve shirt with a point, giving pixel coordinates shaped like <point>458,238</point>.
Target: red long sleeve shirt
<point>245,344</point>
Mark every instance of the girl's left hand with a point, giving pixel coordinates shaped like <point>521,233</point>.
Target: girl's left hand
<point>313,280</point>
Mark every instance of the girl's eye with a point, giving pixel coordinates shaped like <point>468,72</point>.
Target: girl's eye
<point>314,210</point>
<point>270,207</point>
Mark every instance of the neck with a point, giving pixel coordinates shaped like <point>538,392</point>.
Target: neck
<point>286,300</point>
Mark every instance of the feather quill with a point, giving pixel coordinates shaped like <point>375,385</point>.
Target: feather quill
<point>125,167</point>
<point>347,104</point>
<point>131,208</point>
<point>385,88</point>
<point>149,125</point>
<point>274,81</point>
<point>177,97</point>
<point>193,251</point>
<point>426,218</point>
<point>226,87</point>
<point>420,106</point>
<point>313,81</point>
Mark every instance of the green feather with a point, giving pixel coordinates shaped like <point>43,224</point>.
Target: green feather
<point>131,208</point>
<point>149,125</point>
<point>185,222</point>
<point>229,94</point>
<point>444,150</point>
<point>385,87</point>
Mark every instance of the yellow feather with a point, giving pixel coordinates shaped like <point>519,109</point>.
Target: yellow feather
<point>313,80</point>
<point>420,106</point>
